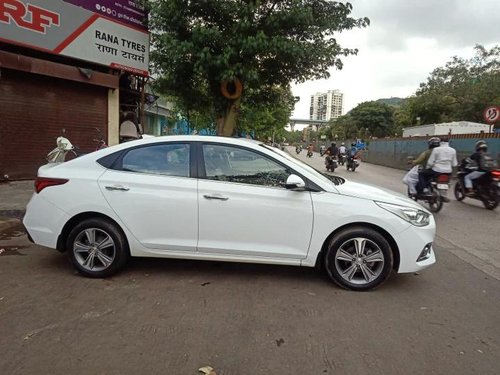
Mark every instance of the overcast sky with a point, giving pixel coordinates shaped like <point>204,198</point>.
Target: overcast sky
<point>405,41</point>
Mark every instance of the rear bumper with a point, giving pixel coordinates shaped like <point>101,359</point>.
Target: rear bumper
<point>43,221</point>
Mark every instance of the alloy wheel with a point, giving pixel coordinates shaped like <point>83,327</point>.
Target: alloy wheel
<point>94,249</point>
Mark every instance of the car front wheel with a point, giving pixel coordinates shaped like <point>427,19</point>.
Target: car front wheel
<point>359,259</point>
<point>97,248</point>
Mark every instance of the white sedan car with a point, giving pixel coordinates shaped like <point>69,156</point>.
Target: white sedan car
<point>214,198</point>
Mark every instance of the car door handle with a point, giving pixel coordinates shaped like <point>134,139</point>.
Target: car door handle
<point>117,187</point>
<point>216,196</point>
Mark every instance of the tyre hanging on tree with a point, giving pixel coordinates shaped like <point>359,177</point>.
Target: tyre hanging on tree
<point>231,89</point>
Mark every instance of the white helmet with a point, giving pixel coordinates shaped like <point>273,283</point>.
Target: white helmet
<point>129,130</point>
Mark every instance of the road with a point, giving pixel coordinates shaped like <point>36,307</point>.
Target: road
<point>174,316</point>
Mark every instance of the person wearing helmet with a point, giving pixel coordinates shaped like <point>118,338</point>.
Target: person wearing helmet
<point>484,164</point>
<point>442,160</point>
<point>333,151</point>
<point>342,149</point>
<point>411,178</point>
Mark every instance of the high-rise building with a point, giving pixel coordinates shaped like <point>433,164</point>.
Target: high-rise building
<point>326,106</point>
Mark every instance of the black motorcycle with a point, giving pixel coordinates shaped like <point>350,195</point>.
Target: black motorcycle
<point>436,194</point>
<point>485,188</point>
<point>298,149</point>
<point>331,163</point>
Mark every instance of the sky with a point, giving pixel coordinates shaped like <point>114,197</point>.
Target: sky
<point>405,42</point>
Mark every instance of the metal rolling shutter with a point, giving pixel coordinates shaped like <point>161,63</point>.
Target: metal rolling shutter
<point>33,111</point>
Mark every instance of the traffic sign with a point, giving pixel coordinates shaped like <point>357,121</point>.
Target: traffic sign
<point>491,114</point>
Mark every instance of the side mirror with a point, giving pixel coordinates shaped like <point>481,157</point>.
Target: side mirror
<point>294,182</point>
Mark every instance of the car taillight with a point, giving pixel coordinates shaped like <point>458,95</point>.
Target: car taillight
<point>443,178</point>
<point>43,182</point>
<point>495,174</point>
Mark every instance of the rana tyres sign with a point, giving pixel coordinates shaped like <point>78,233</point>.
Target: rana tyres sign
<point>62,28</point>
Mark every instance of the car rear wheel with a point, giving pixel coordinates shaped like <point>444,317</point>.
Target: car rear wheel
<point>97,248</point>
<point>359,259</point>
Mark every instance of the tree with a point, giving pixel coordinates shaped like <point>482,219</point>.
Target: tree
<point>460,90</point>
<point>373,118</point>
<point>200,45</point>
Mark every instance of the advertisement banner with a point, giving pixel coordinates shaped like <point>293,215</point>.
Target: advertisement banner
<point>61,28</point>
<point>126,11</point>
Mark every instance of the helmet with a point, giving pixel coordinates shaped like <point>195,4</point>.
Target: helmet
<point>353,144</point>
<point>342,144</point>
<point>434,142</point>
<point>333,144</point>
<point>481,145</point>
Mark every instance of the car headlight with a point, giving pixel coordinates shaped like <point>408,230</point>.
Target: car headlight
<point>414,216</point>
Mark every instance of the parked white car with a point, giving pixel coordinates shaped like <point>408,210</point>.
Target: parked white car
<point>214,198</point>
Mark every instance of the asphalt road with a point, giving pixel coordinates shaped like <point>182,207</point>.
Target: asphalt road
<point>172,316</point>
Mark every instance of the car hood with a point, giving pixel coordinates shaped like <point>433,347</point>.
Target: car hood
<point>375,193</point>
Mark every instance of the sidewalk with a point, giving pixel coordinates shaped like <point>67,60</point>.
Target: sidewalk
<point>14,196</point>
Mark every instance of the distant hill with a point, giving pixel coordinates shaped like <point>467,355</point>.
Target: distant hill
<point>395,102</point>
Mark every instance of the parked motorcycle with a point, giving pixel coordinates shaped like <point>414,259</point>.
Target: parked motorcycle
<point>353,163</point>
<point>331,163</point>
<point>486,188</point>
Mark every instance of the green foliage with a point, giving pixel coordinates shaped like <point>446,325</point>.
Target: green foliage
<point>198,44</point>
<point>373,119</point>
<point>459,91</point>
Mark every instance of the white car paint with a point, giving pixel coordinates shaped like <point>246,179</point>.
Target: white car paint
<point>169,217</point>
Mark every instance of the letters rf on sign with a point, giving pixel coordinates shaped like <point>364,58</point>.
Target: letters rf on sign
<point>28,16</point>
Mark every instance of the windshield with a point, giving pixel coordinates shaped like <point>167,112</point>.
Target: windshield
<point>323,176</point>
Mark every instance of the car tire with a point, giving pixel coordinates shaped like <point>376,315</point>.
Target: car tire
<point>97,248</point>
<point>359,259</point>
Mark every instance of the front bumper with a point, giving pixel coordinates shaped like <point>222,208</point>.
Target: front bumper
<point>411,242</point>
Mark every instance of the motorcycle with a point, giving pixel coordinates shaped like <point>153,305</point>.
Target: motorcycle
<point>298,149</point>
<point>342,159</point>
<point>309,154</point>
<point>485,188</point>
<point>331,163</point>
<point>436,194</point>
<point>322,151</point>
<point>353,163</point>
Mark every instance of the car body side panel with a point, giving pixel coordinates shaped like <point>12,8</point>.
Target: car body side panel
<point>332,211</point>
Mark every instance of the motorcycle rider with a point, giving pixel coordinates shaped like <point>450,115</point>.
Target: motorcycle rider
<point>484,164</point>
<point>442,160</point>
<point>310,149</point>
<point>333,151</point>
<point>411,178</point>
<point>342,149</point>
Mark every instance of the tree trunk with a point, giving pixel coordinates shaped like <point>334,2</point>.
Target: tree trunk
<point>226,126</point>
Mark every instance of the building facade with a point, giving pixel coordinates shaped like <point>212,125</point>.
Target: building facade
<point>67,64</point>
<point>327,106</point>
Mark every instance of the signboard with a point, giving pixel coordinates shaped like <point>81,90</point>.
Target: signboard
<point>61,28</point>
<point>491,114</point>
<point>126,11</point>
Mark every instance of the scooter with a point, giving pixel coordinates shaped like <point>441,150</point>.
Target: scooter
<point>353,163</point>
<point>485,188</point>
<point>331,163</point>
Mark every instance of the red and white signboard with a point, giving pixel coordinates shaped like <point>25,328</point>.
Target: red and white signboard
<point>491,114</point>
<point>62,28</point>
